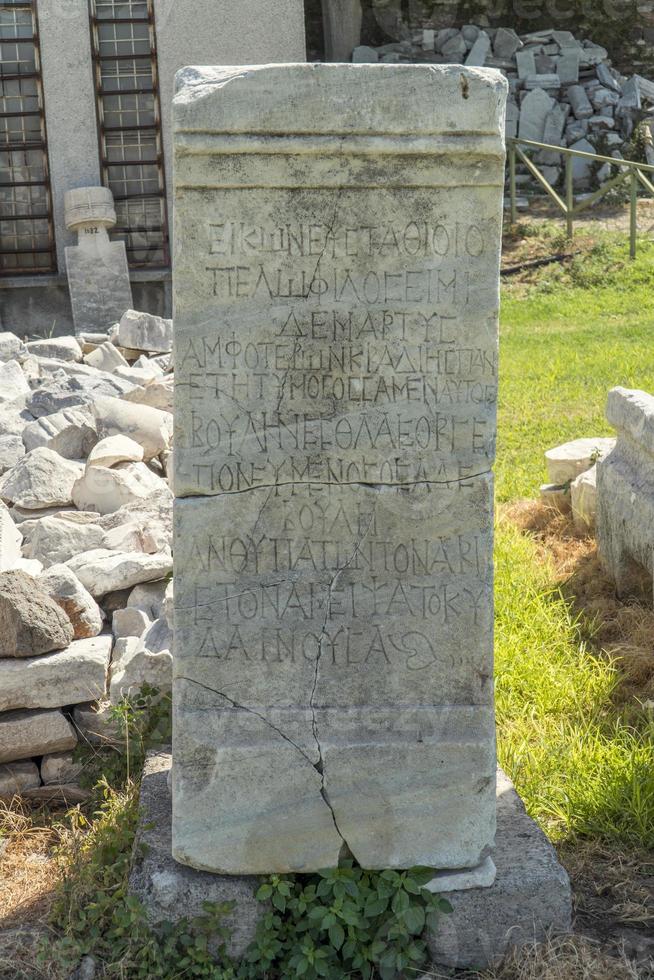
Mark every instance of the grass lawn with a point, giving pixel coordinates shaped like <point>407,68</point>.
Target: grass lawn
<point>582,759</point>
<point>567,337</point>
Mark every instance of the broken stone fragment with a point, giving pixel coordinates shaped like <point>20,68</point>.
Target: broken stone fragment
<point>580,102</point>
<point>65,391</point>
<point>142,660</point>
<point>583,492</point>
<point>506,43</point>
<point>454,49</point>
<point>106,357</point>
<point>60,769</point>
<point>57,537</point>
<point>105,490</point>
<point>103,571</point>
<point>74,675</point>
<point>115,449</point>
<point>157,393</point>
<point>42,478</point>
<point>11,540</point>
<point>62,348</point>
<point>566,462</point>
<point>129,622</point>
<point>14,388</point>
<point>151,428</point>
<point>18,776</point>
<point>10,346</point>
<point>71,433</point>
<point>149,598</point>
<point>24,734</point>
<point>534,110</point>
<point>145,332</point>
<point>96,724</point>
<point>62,585</point>
<point>31,623</point>
<point>11,450</point>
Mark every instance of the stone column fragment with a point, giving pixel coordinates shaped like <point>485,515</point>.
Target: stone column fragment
<point>98,276</point>
<point>336,294</point>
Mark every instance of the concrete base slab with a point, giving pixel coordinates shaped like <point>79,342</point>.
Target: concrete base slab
<point>171,891</point>
<point>529,898</point>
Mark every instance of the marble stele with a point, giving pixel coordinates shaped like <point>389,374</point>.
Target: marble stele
<point>337,241</point>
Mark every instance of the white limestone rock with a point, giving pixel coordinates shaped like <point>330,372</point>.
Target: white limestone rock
<point>157,393</point>
<point>149,427</point>
<point>10,346</point>
<point>71,433</point>
<point>106,357</point>
<point>60,769</point>
<point>149,365</point>
<point>149,598</point>
<point>140,661</point>
<point>11,540</point>
<point>106,490</point>
<point>42,478</point>
<point>146,332</point>
<point>64,390</point>
<point>583,492</point>
<point>168,609</point>
<point>14,388</point>
<point>24,734</point>
<point>62,585</point>
<point>31,566</point>
<point>18,776</point>
<point>96,725</point>
<point>115,449</point>
<point>61,348</point>
<point>566,462</point>
<point>71,676</point>
<point>129,622</point>
<point>13,419</point>
<point>11,450</point>
<point>103,571</point>
<point>56,538</point>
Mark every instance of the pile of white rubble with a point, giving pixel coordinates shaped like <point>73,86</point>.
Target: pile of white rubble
<point>86,564</point>
<point>562,91</point>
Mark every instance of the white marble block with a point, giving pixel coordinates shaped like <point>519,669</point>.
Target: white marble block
<point>98,276</point>
<point>336,297</point>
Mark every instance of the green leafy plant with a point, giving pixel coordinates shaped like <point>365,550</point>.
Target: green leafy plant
<point>344,922</point>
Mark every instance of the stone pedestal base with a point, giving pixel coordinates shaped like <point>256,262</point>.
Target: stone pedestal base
<point>529,897</point>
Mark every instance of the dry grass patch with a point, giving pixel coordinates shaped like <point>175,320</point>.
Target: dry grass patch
<point>624,631</point>
<point>29,871</point>
<point>566,958</point>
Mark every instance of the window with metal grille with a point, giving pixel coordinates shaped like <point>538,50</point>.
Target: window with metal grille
<point>26,228</point>
<point>131,156</point>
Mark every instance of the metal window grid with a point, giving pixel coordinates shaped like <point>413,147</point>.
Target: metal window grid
<point>27,244</point>
<point>129,124</point>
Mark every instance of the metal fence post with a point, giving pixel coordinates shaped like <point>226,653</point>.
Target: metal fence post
<point>634,214</point>
<point>569,196</point>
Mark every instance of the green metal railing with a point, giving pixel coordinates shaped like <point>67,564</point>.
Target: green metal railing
<point>630,171</point>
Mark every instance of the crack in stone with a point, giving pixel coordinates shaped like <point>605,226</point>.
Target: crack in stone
<point>353,483</point>
<point>251,711</point>
<point>314,722</point>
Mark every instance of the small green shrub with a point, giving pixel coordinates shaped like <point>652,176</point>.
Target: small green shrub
<point>344,922</point>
